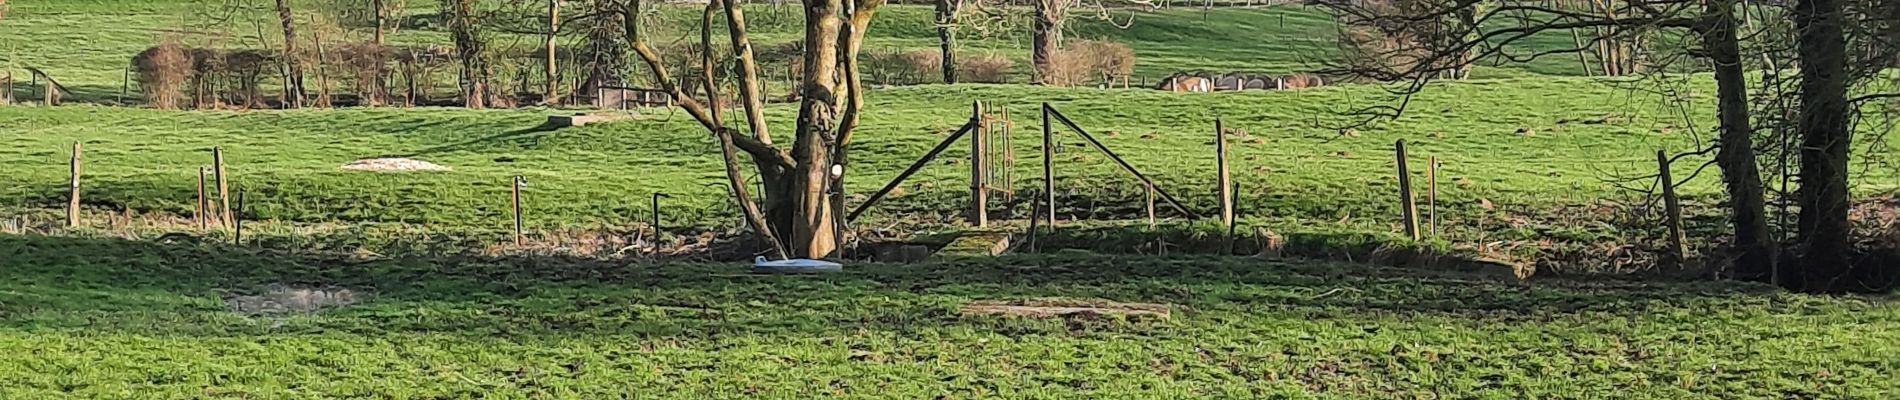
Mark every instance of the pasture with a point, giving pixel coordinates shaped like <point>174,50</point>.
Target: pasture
<point>423,294</point>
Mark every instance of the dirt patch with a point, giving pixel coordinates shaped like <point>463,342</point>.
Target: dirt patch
<point>281,300</point>
<point>1052,308</point>
<point>394,164</point>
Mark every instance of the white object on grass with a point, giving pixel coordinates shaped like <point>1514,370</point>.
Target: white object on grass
<point>795,265</point>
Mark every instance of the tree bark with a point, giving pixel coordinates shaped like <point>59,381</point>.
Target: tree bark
<point>1043,36</point>
<point>376,8</point>
<point>751,97</point>
<point>1756,250</point>
<point>1825,134</point>
<point>801,216</point>
<point>554,30</point>
<point>293,63</point>
<point>812,222</point>
<point>946,38</point>
<point>468,48</point>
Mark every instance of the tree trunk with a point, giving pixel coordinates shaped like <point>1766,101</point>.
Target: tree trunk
<point>1825,135</point>
<point>946,39</point>
<point>554,29</point>
<point>468,48</point>
<point>1046,26</point>
<point>376,8</point>
<point>1754,244</point>
<point>293,63</point>
<point>812,224</point>
<point>752,97</point>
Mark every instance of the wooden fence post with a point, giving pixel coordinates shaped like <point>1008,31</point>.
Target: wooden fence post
<point>237,221</point>
<point>204,204</point>
<point>1227,248</point>
<point>1223,179</point>
<point>1148,197</point>
<point>656,211</point>
<point>72,207</point>
<point>1048,166</point>
<point>1678,241</point>
<point>979,169</point>
<point>514,189</point>
<point>1007,155</point>
<point>224,193</point>
<point>1431,193</point>
<point>1407,204</point>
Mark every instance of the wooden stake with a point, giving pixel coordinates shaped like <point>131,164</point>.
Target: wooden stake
<point>1008,156</point>
<point>1678,241</point>
<point>656,212</point>
<point>1048,166</point>
<point>1406,202</point>
<point>979,169</point>
<point>515,191</point>
<point>1223,179</point>
<point>72,208</point>
<point>1431,192</point>
<point>1228,248</point>
<point>224,193</point>
<point>204,204</point>
<point>1034,227</point>
<point>237,221</point>
<point>1148,196</point>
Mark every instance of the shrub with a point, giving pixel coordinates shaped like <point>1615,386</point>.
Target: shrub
<point>985,68</point>
<point>1089,60</point>
<point>163,70</point>
<point>921,65</point>
<point>1109,60</point>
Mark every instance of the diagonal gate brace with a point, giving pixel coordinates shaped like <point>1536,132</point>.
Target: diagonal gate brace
<point>1118,160</point>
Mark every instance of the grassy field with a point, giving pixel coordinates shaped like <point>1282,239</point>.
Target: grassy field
<point>1292,170</point>
<point>1538,160</point>
<point>85,43</point>
<point>438,308</point>
<point>106,318</point>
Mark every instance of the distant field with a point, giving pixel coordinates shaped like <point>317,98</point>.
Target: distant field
<point>1543,152</point>
<point>1290,167</point>
<point>106,318</point>
<point>86,43</point>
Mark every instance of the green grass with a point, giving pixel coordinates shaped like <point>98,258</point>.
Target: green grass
<point>145,159</point>
<point>85,43</point>
<point>105,318</point>
<point>1295,175</point>
<point>441,316</point>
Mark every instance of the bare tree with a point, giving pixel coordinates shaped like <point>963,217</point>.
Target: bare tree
<point>803,184</point>
<point>1822,234</point>
<point>1758,252</point>
<point>463,29</point>
<point>376,7</point>
<point>554,31</point>
<point>293,90</point>
<point>1046,34</point>
<point>946,37</point>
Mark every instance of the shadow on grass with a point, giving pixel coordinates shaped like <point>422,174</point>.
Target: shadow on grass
<point>527,137</point>
<point>173,287</point>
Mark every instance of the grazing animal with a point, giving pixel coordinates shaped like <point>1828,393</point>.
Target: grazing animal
<point>1188,83</point>
<point>1300,81</point>
<point>1230,82</point>
<point>1255,82</point>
